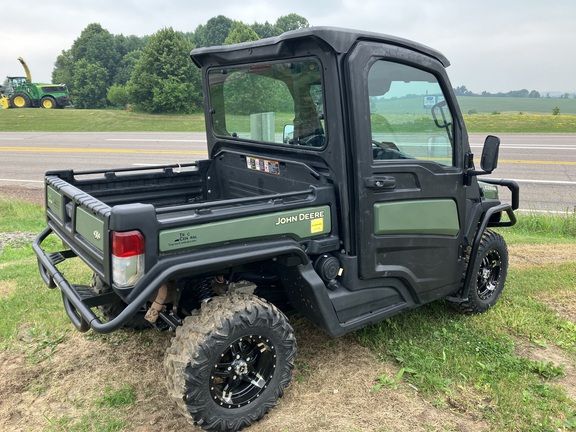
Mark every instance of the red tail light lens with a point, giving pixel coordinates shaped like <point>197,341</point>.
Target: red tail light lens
<point>127,257</point>
<point>127,244</point>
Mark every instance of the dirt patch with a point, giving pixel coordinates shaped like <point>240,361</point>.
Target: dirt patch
<point>562,301</point>
<point>522,256</point>
<point>6,288</point>
<point>21,193</point>
<point>553,354</point>
<point>331,389</point>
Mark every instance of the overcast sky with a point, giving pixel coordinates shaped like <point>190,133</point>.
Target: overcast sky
<point>493,45</point>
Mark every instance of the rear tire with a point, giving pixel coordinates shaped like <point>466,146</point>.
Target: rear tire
<point>489,271</point>
<point>228,364</point>
<point>48,102</point>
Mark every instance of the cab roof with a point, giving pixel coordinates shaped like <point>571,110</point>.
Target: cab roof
<point>336,39</point>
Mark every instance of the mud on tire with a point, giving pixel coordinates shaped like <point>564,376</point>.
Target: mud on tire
<point>228,364</point>
<point>490,267</point>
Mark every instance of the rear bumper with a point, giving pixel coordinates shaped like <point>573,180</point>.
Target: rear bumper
<point>78,301</point>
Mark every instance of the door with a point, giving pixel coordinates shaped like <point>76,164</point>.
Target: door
<point>410,200</point>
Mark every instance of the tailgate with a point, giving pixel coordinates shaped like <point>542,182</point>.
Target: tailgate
<point>80,220</point>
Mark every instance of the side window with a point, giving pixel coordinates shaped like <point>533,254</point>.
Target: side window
<point>409,117</point>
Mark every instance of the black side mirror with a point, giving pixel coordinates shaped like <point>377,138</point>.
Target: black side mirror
<point>489,160</point>
<point>288,133</point>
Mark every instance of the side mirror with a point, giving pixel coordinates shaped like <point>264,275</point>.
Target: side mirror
<point>489,160</point>
<point>288,133</point>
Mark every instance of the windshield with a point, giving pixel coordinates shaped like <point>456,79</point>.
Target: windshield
<point>273,102</point>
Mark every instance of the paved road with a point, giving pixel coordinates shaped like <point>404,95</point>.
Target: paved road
<point>544,165</point>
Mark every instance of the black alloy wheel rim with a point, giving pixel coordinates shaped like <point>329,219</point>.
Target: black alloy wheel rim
<point>243,371</point>
<point>489,275</point>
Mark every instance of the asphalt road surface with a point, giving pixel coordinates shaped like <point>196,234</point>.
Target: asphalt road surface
<point>543,165</point>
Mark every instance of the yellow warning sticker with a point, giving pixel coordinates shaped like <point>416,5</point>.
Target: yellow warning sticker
<point>317,225</point>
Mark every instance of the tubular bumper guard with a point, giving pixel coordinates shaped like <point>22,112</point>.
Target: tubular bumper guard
<point>78,303</point>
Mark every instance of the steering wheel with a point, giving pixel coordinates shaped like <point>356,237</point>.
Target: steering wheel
<point>312,140</point>
<point>386,145</point>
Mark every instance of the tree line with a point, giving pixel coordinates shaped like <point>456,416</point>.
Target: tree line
<point>151,73</point>
<point>523,93</point>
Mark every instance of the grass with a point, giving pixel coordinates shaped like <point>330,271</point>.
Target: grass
<point>471,364</point>
<point>458,358</point>
<point>542,228</point>
<point>488,105</point>
<point>71,120</point>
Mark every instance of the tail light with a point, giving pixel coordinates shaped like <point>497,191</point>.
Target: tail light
<point>127,257</point>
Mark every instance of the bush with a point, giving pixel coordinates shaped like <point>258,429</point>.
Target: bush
<point>118,96</point>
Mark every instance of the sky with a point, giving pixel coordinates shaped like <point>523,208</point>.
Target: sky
<point>493,45</point>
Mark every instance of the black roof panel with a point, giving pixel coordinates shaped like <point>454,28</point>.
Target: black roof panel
<point>337,39</point>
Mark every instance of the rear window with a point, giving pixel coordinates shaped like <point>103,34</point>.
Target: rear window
<point>279,103</point>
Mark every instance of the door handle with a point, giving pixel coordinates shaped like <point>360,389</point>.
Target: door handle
<point>385,182</point>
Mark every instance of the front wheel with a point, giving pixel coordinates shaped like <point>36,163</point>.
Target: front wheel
<point>20,100</point>
<point>229,363</point>
<point>489,271</point>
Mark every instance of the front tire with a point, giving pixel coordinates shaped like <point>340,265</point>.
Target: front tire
<point>489,271</point>
<point>20,100</point>
<point>228,364</point>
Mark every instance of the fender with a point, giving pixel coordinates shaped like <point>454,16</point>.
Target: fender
<point>483,224</point>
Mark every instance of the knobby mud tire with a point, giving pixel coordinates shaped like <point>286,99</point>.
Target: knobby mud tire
<point>489,271</point>
<point>240,333</point>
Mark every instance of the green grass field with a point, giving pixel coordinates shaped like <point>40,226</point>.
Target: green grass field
<point>514,115</point>
<point>475,365</point>
<point>488,105</point>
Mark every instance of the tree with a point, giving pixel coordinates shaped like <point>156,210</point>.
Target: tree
<point>534,94</point>
<point>97,46</point>
<point>89,84</point>
<point>214,32</point>
<point>240,32</point>
<point>126,67</point>
<point>292,22</point>
<point>266,30</point>
<point>106,52</point>
<point>165,79</point>
<point>462,91</point>
<point>63,70</point>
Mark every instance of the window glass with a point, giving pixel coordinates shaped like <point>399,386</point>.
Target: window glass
<point>408,115</point>
<point>274,102</point>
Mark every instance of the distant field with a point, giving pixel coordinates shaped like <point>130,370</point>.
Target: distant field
<point>492,115</point>
<point>488,105</point>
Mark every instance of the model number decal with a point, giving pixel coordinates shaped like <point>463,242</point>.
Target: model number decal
<point>264,165</point>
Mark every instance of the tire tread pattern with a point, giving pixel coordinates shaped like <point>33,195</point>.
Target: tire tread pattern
<point>472,305</point>
<point>188,360</point>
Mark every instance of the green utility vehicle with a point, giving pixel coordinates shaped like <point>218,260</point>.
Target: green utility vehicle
<point>21,92</point>
<point>340,185</point>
